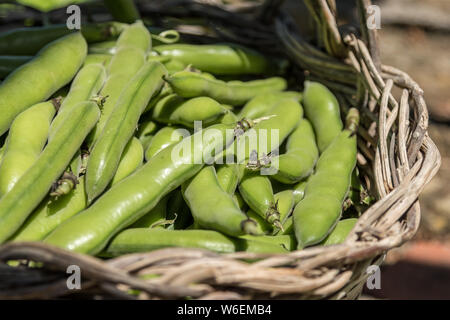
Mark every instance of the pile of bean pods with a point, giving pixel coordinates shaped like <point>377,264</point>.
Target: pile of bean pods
<point>90,123</point>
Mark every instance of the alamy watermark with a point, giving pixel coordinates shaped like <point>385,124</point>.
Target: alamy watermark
<point>74,20</point>
<point>373,17</point>
<point>73,281</point>
<point>374,278</point>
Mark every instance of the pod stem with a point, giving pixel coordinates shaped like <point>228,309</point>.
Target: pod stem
<point>352,120</point>
<point>64,185</point>
<point>273,216</point>
<point>255,164</point>
<point>57,103</point>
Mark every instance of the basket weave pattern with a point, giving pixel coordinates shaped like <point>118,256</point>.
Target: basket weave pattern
<point>396,159</point>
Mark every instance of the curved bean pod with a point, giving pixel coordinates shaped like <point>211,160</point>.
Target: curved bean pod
<point>340,232</point>
<point>300,157</point>
<point>164,138</point>
<point>229,176</point>
<point>33,186</point>
<point>38,79</point>
<point>190,84</point>
<point>316,215</point>
<point>145,133</point>
<point>87,83</point>
<point>127,201</point>
<point>173,109</point>
<point>322,109</point>
<point>261,104</point>
<point>23,145</point>
<point>120,127</point>
<point>220,59</point>
<point>94,58</point>
<point>131,159</point>
<point>204,196</point>
<point>153,217</point>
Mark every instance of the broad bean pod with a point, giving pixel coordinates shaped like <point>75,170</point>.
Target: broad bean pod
<point>322,109</point>
<point>204,196</point>
<point>340,232</point>
<point>261,104</point>
<point>35,183</point>
<point>26,139</point>
<point>191,84</point>
<point>164,138</point>
<point>317,214</point>
<point>38,79</point>
<point>120,127</point>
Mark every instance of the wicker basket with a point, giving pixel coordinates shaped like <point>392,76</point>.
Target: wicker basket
<point>396,159</point>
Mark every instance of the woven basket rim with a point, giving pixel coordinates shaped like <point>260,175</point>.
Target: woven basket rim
<point>403,161</point>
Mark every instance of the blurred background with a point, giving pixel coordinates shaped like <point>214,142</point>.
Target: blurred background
<point>414,37</point>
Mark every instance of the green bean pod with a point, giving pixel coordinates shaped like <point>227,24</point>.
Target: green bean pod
<point>322,109</point>
<point>285,203</point>
<point>299,191</point>
<point>205,196</point>
<point>287,242</point>
<point>340,232</point>
<point>103,48</point>
<point>241,203</point>
<point>220,59</point>
<point>97,58</point>
<point>268,135</point>
<point>10,63</point>
<point>87,83</point>
<point>155,217</point>
<point>229,175</point>
<point>164,138</point>
<point>120,127</point>
<point>261,104</point>
<point>131,159</point>
<point>145,239</point>
<point>132,48</point>
<point>175,110</point>
<point>300,157</point>
<point>38,79</point>
<point>316,215</point>
<point>24,145</point>
<point>127,201</point>
<point>190,84</point>
<point>256,190</point>
<point>29,40</point>
<point>33,186</point>
<point>51,213</point>
<point>145,133</point>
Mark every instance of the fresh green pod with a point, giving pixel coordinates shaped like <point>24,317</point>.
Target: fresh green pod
<point>10,63</point>
<point>322,109</point>
<point>33,186</point>
<point>145,133</point>
<point>97,58</point>
<point>288,227</point>
<point>131,159</point>
<point>229,175</point>
<point>262,226</point>
<point>316,215</point>
<point>122,10</point>
<point>127,201</point>
<point>38,79</point>
<point>120,127</point>
<point>155,217</point>
<point>220,59</point>
<point>173,109</point>
<point>24,145</point>
<point>87,83</point>
<point>285,203</point>
<point>164,138</point>
<point>204,196</point>
<point>256,190</point>
<point>261,104</point>
<point>300,157</point>
<point>299,191</point>
<point>178,211</point>
<point>29,40</point>
<point>51,213</point>
<point>145,239</point>
<point>268,135</point>
<point>340,232</point>
<point>287,242</point>
<point>189,84</point>
<point>164,92</point>
<point>148,239</point>
<point>174,66</point>
<point>240,202</point>
<point>103,48</point>
<point>132,48</point>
